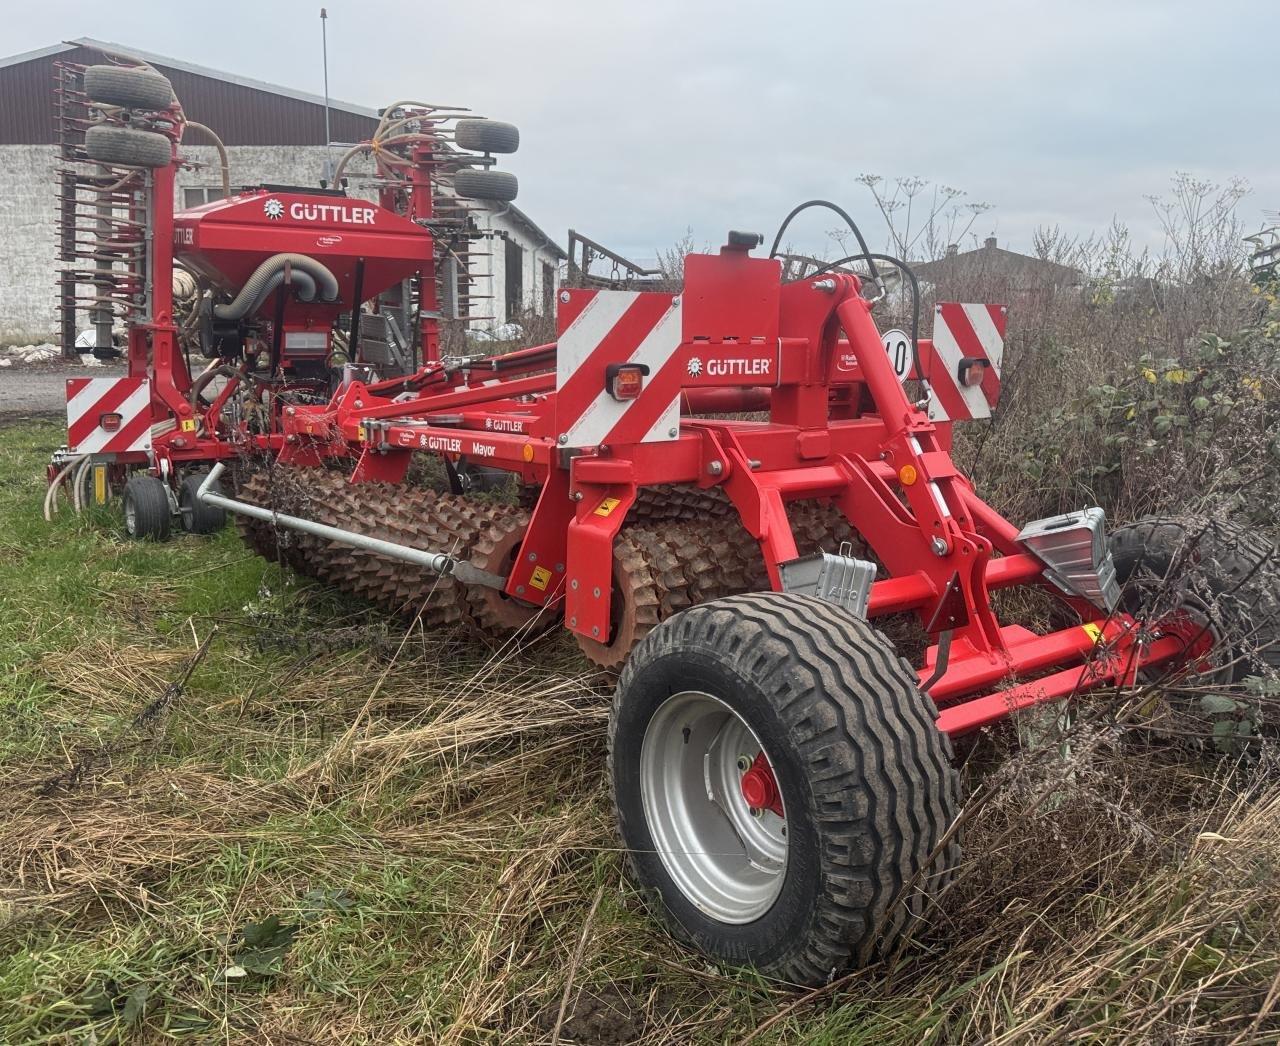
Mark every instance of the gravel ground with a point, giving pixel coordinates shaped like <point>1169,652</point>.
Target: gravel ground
<point>41,390</point>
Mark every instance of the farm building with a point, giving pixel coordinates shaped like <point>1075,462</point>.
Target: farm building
<point>994,271</point>
<point>274,135</point>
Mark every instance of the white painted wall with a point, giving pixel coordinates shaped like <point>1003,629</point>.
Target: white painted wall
<point>300,165</point>
<point>28,242</point>
<point>29,238</point>
<point>534,251</point>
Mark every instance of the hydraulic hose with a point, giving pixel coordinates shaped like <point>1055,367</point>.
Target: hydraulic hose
<point>52,492</point>
<point>902,267</point>
<point>318,279</point>
<point>388,124</point>
<point>853,226</point>
<point>222,152</point>
<point>78,493</point>
<point>206,376</point>
<point>346,158</point>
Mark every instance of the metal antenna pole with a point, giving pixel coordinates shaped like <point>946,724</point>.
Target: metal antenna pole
<point>328,137</point>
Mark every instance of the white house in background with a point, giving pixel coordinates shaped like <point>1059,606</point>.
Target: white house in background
<point>274,135</point>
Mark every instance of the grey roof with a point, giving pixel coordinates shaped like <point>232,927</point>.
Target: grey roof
<point>186,67</point>
<point>243,81</point>
<point>525,220</point>
<point>992,259</point>
<point>31,56</point>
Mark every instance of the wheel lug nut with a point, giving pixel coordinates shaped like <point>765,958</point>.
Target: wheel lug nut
<point>744,763</point>
<point>756,812</point>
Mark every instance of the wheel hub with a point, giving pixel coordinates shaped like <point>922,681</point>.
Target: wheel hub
<point>1198,636</point>
<point>760,788</point>
<point>713,807</point>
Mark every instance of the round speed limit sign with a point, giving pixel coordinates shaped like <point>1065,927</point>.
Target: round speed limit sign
<point>897,347</point>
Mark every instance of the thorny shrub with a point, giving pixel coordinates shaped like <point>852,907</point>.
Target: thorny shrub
<point>1174,421</point>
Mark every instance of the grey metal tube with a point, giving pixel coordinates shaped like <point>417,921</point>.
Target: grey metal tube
<point>436,562</point>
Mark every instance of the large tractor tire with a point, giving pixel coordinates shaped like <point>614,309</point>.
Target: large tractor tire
<point>487,136</point>
<point>126,146</point>
<point>127,88</point>
<point>780,785</point>
<point>1215,584</point>
<point>146,508</point>
<point>486,185</point>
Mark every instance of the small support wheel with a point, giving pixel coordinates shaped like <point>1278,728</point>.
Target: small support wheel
<point>486,136</point>
<point>127,146</point>
<point>197,517</point>
<point>782,791</point>
<point>127,88</point>
<point>146,508</point>
<point>486,185</point>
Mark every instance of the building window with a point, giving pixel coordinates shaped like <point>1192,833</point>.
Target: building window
<point>548,288</point>
<point>199,195</point>
<point>515,279</point>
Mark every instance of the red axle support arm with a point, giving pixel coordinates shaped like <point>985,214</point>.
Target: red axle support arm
<point>1119,667</point>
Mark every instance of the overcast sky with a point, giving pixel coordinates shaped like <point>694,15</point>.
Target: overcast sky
<point>641,120</point>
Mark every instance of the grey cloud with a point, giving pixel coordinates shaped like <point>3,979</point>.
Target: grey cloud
<point>640,120</point>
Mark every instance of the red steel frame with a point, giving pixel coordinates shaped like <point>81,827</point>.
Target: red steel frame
<point>397,239</point>
<point>840,427</point>
<point>888,469</point>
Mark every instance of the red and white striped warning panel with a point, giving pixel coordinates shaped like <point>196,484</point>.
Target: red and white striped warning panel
<point>108,415</point>
<point>632,335</point>
<point>964,364</point>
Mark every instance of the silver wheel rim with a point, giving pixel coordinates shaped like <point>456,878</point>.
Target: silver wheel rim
<point>130,516</point>
<point>727,861</point>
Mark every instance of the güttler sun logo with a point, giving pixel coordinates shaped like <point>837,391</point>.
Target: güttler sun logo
<point>273,209</point>
<point>695,366</point>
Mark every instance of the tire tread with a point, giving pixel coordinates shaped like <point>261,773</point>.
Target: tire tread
<point>834,679</point>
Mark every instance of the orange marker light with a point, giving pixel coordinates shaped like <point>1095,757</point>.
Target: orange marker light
<point>625,380</point>
<point>907,474</point>
<point>971,371</point>
<point>526,452</point>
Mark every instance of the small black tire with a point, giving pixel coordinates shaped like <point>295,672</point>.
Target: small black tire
<point>127,88</point>
<point>487,136</point>
<point>486,185</point>
<point>197,517</point>
<point>1223,574</point>
<point>127,146</point>
<point>146,508</point>
<point>862,772</point>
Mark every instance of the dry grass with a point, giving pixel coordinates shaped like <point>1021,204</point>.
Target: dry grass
<point>442,840</point>
<point>342,833</point>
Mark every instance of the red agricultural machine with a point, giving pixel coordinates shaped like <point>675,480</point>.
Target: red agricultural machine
<point>719,491</point>
<point>280,292</point>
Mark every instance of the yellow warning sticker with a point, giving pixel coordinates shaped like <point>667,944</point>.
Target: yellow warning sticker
<point>188,424</point>
<point>1093,632</point>
<point>361,435</point>
<point>607,506</point>
<point>540,577</point>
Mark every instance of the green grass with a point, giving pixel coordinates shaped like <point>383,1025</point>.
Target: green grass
<point>325,840</point>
